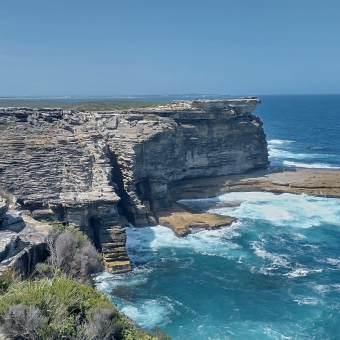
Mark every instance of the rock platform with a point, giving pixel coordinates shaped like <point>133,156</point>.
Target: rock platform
<point>183,220</point>
<point>322,183</point>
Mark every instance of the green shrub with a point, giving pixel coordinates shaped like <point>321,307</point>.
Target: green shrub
<point>6,279</point>
<point>72,254</point>
<point>53,305</point>
<point>64,309</point>
<point>64,305</point>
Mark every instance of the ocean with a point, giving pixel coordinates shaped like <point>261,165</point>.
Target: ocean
<point>274,274</point>
<point>302,131</point>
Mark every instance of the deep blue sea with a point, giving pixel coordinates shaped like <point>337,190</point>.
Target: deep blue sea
<point>302,131</point>
<point>274,274</point>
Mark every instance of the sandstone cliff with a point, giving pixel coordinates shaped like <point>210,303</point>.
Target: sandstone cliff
<point>101,170</point>
<point>22,240</point>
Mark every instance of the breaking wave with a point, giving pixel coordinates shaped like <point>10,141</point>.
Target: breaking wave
<point>311,165</point>
<point>279,141</point>
<point>226,284</point>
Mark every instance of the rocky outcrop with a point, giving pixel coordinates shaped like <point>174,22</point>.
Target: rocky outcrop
<point>154,148</point>
<point>22,240</point>
<point>57,165</point>
<point>316,182</point>
<point>183,221</point>
<point>101,170</point>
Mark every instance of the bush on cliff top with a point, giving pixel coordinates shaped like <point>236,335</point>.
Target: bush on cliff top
<point>63,309</point>
<point>54,306</point>
<point>71,254</point>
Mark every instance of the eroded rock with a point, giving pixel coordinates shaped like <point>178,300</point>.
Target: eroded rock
<point>22,240</point>
<point>91,168</point>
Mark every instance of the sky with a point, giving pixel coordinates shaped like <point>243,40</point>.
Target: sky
<point>111,47</point>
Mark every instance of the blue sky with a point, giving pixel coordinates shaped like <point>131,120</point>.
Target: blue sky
<point>104,47</point>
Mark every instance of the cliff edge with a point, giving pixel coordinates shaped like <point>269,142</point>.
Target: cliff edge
<point>101,170</point>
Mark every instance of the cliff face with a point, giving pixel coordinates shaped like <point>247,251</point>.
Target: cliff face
<point>22,240</point>
<point>96,169</point>
<point>183,140</point>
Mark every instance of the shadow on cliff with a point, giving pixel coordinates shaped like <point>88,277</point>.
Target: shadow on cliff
<point>210,187</point>
<point>117,178</point>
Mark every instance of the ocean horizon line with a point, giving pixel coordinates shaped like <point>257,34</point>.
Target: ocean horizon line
<point>80,96</point>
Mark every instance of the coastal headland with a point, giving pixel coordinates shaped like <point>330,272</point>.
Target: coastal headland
<point>101,170</point>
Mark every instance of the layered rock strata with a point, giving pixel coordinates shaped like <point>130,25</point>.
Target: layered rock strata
<point>22,240</point>
<point>101,170</point>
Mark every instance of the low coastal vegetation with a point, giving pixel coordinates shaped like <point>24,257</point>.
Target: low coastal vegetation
<point>59,301</point>
<point>151,117</point>
<point>94,105</point>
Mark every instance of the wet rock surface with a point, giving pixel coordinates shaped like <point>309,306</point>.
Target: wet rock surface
<point>183,220</point>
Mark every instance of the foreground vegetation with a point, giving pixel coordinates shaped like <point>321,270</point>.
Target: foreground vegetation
<point>59,302</point>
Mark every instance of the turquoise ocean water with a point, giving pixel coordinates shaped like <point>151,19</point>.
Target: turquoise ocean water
<point>275,274</point>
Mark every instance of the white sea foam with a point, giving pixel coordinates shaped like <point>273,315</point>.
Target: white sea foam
<point>308,301</point>
<point>280,141</point>
<point>280,155</point>
<point>216,242</point>
<point>268,271</point>
<point>144,243</point>
<point>299,272</point>
<point>336,287</point>
<point>289,156</point>
<point>274,334</point>
<point>284,154</point>
<point>311,165</point>
<point>333,262</point>
<point>146,313</point>
<point>297,236</point>
<point>280,215</point>
<point>322,289</point>
<point>301,211</point>
<point>277,260</point>
<point>106,281</point>
<point>149,312</point>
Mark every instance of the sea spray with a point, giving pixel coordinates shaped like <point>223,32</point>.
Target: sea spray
<point>274,274</point>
